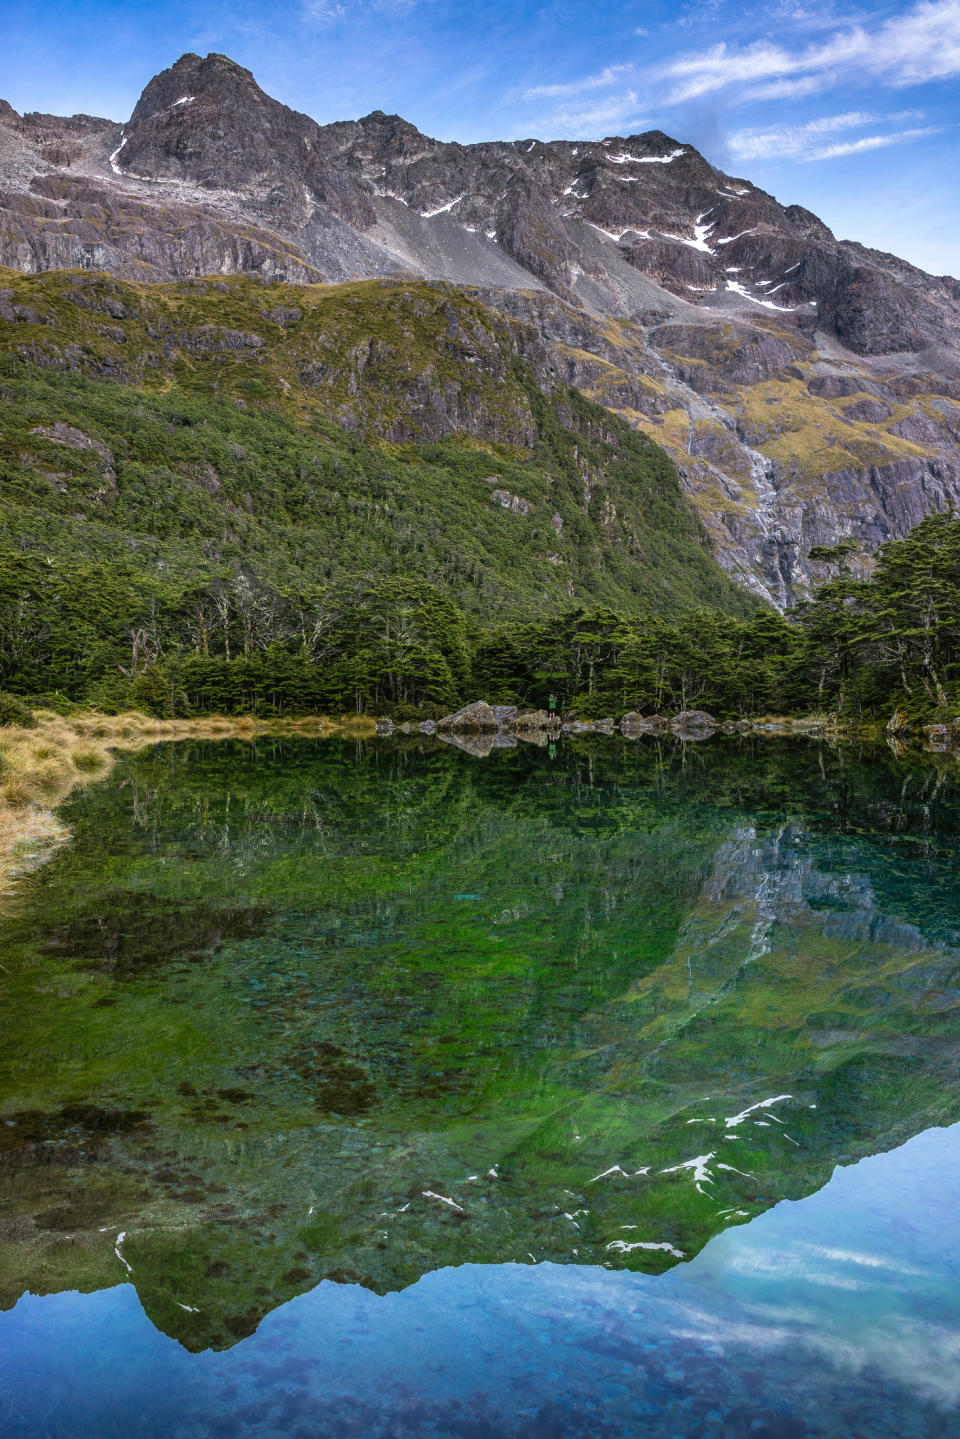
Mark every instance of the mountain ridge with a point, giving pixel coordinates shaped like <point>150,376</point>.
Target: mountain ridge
<point>806,387</point>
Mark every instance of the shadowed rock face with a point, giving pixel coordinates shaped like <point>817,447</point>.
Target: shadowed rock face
<point>808,386</point>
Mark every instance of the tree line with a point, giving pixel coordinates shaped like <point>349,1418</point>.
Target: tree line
<point>861,647</point>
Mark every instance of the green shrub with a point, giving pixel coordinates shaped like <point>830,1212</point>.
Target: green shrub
<point>13,711</point>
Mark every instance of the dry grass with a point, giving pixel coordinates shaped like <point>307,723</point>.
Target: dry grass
<point>40,767</point>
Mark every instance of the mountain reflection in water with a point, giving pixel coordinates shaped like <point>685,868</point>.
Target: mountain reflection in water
<point>834,1318</point>
<point>288,1012</point>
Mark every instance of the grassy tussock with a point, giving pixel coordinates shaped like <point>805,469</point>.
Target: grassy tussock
<point>40,767</point>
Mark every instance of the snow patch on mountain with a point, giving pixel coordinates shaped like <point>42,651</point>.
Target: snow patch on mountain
<point>442,209</point>
<point>741,290</point>
<point>700,233</point>
<point>729,239</point>
<point>647,159</point>
<point>618,236</point>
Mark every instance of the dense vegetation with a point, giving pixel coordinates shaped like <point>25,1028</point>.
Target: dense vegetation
<point>240,505</point>
<point>230,497</point>
<point>862,648</point>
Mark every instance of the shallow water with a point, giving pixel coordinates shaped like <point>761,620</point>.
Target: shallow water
<point>390,1090</point>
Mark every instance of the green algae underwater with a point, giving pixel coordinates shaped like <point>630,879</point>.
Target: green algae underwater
<point>296,1010</point>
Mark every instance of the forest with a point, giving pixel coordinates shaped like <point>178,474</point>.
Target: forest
<point>861,648</point>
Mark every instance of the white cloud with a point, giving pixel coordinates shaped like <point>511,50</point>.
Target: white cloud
<point>783,89</point>
<point>869,142</point>
<point>805,142</point>
<point>322,12</point>
<point>787,140</point>
<point>613,115</point>
<point>916,47</point>
<point>610,76</point>
<point>331,12</point>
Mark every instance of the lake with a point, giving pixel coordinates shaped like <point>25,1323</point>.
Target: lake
<point>386,1089</point>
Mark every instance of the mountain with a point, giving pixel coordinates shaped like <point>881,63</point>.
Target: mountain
<point>215,443</point>
<point>808,388</point>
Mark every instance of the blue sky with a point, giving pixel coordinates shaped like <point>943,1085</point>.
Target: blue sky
<point>852,110</point>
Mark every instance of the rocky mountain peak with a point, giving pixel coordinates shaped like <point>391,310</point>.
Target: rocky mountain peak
<point>206,121</point>
<point>215,76</point>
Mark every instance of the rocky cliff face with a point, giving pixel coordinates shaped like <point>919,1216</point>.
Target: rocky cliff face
<point>809,388</point>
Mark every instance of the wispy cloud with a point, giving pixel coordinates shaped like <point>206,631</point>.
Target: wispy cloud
<point>612,75</point>
<point>916,47</point>
<point>331,12</point>
<point>869,142</point>
<point>322,12</point>
<point>807,142</point>
<point>615,114</point>
<point>789,140</point>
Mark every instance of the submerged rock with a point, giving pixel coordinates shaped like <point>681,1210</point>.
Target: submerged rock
<point>479,743</point>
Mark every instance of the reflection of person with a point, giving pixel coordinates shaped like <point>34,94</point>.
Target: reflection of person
<point>552,706</point>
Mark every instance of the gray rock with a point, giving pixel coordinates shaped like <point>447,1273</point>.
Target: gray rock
<point>506,501</point>
<point>692,724</point>
<point>477,716</point>
<point>939,737</point>
<point>636,724</point>
<point>74,439</point>
<point>531,720</point>
<point>385,725</point>
<point>427,726</point>
<point>504,714</point>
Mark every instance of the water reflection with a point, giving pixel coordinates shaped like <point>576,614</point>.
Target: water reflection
<point>838,1317</point>
<point>292,1012</point>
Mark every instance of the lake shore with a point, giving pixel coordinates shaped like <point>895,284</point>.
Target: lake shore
<point>42,764</point>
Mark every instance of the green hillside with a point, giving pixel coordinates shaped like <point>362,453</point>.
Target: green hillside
<point>223,466</point>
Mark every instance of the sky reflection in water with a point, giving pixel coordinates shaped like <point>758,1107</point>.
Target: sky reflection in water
<point>837,1315</point>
